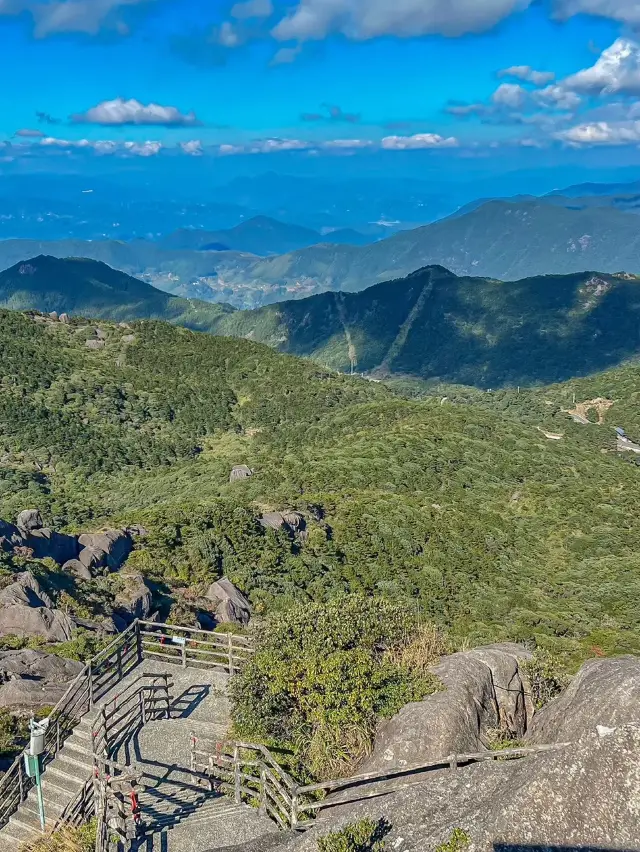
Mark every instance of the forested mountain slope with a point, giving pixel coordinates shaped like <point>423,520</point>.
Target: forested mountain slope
<point>475,331</point>
<point>464,507</point>
<point>91,288</point>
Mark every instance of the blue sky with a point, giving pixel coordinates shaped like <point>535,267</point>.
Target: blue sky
<point>325,78</point>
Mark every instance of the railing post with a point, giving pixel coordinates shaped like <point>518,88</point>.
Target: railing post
<point>184,654</point>
<point>230,651</point>
<point>237,780</point>
<point>139,641</point>
<point>119,662</point>
<point>90,684</point>
<point>263,790</point>
<point>143,719</point>
<point>21,781</point>
<point>294,808</point>
<point>453,762</point>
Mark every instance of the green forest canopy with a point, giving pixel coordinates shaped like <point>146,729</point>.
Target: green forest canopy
<point>461,509</point>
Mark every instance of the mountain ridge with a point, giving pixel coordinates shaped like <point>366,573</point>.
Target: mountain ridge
<point>469,330</point>
<point>92,288</point>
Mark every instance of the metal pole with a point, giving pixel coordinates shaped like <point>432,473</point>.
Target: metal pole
<point>40,796</point>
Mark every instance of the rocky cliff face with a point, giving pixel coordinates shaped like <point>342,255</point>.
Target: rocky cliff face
<point>584,794</point>
<point>485,689</point>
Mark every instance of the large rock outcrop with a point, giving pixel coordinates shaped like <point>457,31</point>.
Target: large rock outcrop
<point>484,689</point>
<point>46,543</point>
<point>106,550</point>
<point>584,796</point>
<point>605,693</point>
<point>134,600</point>
<point>25,610</point>
<point>231,606</point>
<point>33,679</point>
<point>96,552</point>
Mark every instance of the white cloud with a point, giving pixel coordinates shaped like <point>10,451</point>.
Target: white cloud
<point>227,35</point>
<point>143,149</point>
<point>528,74</point>
<point>252,9</point>
<point>194,147</point>
<point>364,19</point>
<point>558,97</point>
<point>626,11</point>
<point>419,140</point>
<point>617,71</point>
<point>105,146</point>
<point>286,55</point>
<point>601,133</point>
<point>347,143</point>
<point>70,16</point>
<point>509,95</point>
<point>28,133</point>
<point>121,112</point>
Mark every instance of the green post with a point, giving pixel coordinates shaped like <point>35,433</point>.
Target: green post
<point>39,789</point>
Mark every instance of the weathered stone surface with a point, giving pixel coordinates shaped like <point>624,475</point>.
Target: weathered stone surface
<point>24,591</point>
<point>135,599</point>
<point>231,605</point>
<point>33,679</point>
<point>25,621</point>
<point>511,687</point>
<point>240,471</point>
<point>77,569</point>
<point>294,520</point>
<point>10,536</point>
<point>29,519</point>
<point>95,344</point>
<point>54,545</point>
<point>108,549</point>
<point>483,689</point>
<point>272,520</point>
<point>605,692</point>
<point>25,610</point>
<point>583,796</point>
<point>64,318</point>
<point>290,521</point>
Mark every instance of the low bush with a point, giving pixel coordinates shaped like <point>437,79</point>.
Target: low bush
<point>546,675</point>
<point>323,674</point>
<point>362,836</point>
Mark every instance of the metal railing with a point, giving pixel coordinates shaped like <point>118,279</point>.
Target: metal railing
<point>251,774</point>
<point>146,698</point>
<point>97,677</point>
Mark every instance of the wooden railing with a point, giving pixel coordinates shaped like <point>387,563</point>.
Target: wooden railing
<point>250,772</point>
<point>187,646</point>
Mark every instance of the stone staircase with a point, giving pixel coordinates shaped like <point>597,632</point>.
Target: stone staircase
<point>62,781</point>
<point>178,815</point>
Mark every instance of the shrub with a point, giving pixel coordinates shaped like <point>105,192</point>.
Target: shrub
<point>362,836</point>
<point>546,677</point>
<point>458,842</point>
<point>321,677</point>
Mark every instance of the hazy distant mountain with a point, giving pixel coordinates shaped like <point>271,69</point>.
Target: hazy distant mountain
<point>93,289</point>
<point>467,330</point>
<point>581,190</point>
<point>500,239</point>
<point>260,235</point>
